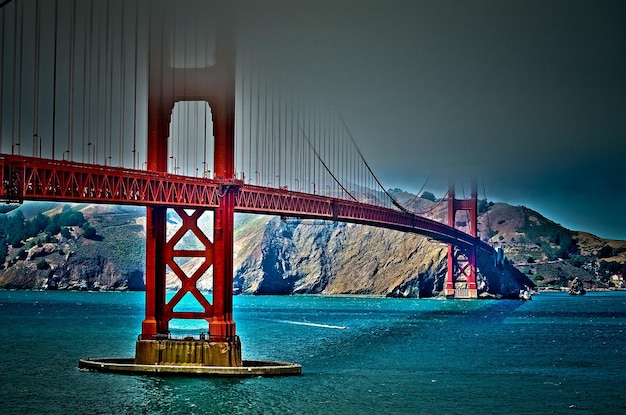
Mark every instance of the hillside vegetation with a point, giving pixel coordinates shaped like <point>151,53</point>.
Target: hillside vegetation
<point>551,255</point>
<point>98,247</point>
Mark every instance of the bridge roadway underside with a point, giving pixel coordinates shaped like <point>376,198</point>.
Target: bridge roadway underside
<point>26,178</point>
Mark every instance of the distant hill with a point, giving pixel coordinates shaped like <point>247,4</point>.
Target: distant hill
<point>100,247</point>
<point>274,256</point>
<point>548,253</point>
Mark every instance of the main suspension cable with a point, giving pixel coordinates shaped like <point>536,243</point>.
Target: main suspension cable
<point>324,164</point>
<point>393,200</point>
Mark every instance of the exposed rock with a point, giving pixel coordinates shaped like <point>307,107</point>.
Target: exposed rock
<point>314,257</point>
<point>44,250</point>
<point>274,256</point>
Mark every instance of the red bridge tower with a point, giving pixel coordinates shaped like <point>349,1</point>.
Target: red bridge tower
<point>461,277</point>
<point>213,83</point>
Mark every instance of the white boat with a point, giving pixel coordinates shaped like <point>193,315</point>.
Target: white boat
<point>525,294</point>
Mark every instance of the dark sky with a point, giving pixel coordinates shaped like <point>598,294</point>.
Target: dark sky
<point>527,96</point>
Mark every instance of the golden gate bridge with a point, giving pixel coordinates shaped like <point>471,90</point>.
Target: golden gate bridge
<point>171,107</point>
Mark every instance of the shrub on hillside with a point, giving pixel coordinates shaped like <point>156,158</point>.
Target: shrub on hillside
<point>89,231</point>
<point>428,196</point>
<point>605,252</point>
<point>42,264</point>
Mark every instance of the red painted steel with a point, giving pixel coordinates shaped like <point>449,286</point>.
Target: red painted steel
<point>462,259</point>
<point>27,178</point>
<point>216,86</point>
<point>188,282</point>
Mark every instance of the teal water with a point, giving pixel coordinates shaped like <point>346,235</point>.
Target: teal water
<point>556,354</point>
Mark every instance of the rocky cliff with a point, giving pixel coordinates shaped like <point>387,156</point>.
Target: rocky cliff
<point>316,257</point>
<point>274,256</point>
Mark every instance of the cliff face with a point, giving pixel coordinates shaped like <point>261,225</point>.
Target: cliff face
<point>314,257</point>
<point>274,256</point>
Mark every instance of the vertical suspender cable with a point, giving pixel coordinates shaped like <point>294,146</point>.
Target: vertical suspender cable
<point>54,76</point>
<point>107,77</point>
<point>280,139</point>
<point>314,147</point>
<point>318,146</point>
<point>84,132</point>
<point>36,136</point>
<point>320,149</point>
<point>19,111</point>
<point>196,106</point>
<point>286,157</point>
<point>272,137</point>
<point>98,85</point>
<point>109,48</point>
<point>90,144</point>
<point>265,159</point>
<point>331,152</point>
<point>2,30</point>
<point>206,109</point>
<point>310,157</point>
<point>251,74</point>
<point>326,152</point>
<point>164,65</point>
<point>122,87</point>
<point>108,80</point>
<point>312,136</point>
<point>183,139</point>
<point>273,142</point>
<point>285,154</point>
<point>298,133</point>
<point>204,161</point>
<point>293,140</point>
<point>71,75</point>
<point>176,133</point>
<point>14,92</point>
<point>306,171</point>
<point>239,68</point>
<point>258,127</point>
<point>337,140</point>
<point>196,120</point>
<point>135,87</point>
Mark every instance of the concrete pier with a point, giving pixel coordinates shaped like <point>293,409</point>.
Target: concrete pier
<point>188,352</point>
<point>190,356</point>
<point>249,368</point>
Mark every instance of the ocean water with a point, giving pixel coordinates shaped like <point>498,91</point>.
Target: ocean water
<point>556,354</point>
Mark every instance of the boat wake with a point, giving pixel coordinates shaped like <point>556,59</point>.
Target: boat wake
<point>303,323</point>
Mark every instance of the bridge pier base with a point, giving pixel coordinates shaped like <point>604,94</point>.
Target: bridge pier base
<point>188,351</point>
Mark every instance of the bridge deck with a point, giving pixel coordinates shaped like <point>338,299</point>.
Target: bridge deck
<point>27,178</point>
